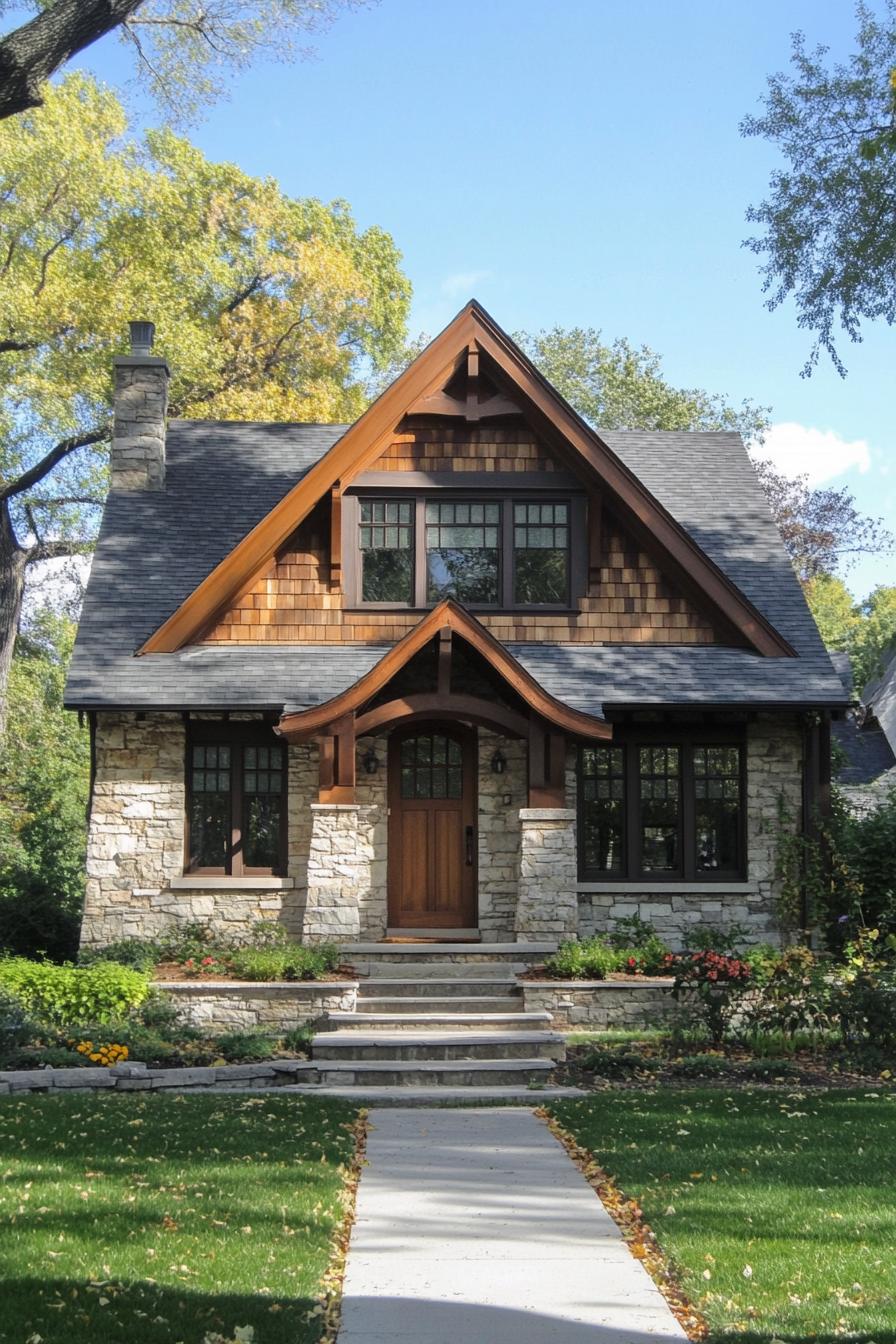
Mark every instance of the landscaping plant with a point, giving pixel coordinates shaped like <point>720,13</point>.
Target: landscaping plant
<point>70,995</point>
<point>711,986</point>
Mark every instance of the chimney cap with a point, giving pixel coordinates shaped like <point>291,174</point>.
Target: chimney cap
<point>142,336</point>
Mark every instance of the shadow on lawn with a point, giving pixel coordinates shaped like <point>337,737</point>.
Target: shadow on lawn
<point>67,1311</point>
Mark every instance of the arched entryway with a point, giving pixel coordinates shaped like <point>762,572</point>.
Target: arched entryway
<point>432,862</point>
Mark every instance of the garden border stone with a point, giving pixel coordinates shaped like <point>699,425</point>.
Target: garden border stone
<point>134,1076</point>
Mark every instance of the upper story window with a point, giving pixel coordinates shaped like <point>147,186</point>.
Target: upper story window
<point>650,810</point>
<point>463,541</point>
<point>236,800</point>
<point>503,552</point>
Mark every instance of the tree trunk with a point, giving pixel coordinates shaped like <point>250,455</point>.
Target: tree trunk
<point>13,559</point>
<point>31,54</point>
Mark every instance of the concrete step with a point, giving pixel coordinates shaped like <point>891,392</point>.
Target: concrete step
<point>369,1095</point>
<point>444,959</point>
<point>425,1047</point>
<point>464,1073</point>
<point>416,986</point>
<point>456,1018</point>
<point>455,1003</point>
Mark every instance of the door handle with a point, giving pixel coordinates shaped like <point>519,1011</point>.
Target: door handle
<point>469,835</point>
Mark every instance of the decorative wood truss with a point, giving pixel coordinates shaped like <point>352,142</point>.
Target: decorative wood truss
<point>532,713</point>
<point>473,371</point>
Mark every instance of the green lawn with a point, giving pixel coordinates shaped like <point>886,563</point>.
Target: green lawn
<point>778,1208</point>
<point>153,1219</point>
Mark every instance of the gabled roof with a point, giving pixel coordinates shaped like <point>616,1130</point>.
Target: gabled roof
<point>446,616</point>
<point>589,453</point>
<point>223,477</point>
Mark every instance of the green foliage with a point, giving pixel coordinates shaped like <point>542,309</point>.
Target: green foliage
<point>865,994</point>
<point>651,957</point>
<point>700,1066</point>
<point>762,959</point>
<point>44,766</point>
<point>766,1070</point>
<point>297,1041</point>
<point>239,1047</point>
<point>711,938</point>
<point>834,609</point>
<point>618,1063</point>
<point>590,959</point>
<point>140,953</point>
<point>830,240</point>
<point>289,962</point>
<point>875,639</point>
<point>711,986</point>
<point>631,931</point>
<point>15,1028</point>
<point>795,995</point>
<point>69,995</point>
<point>622,386</point>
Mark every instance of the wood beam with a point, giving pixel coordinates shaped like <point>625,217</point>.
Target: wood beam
<point>443,682</point>
<point>472,384</point>
<point>463,708</point>
<point>547,767</point>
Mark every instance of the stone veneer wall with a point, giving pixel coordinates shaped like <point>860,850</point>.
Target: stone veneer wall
<point>135,846</point>
<point>240,1006</point>
<point>598,1003</point>
<point>774,776</point>
<point>500,800</point>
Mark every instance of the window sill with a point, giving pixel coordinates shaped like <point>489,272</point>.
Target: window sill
<point>200,881</point>
<point>656,888</point>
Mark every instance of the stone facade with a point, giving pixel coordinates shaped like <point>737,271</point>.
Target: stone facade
<point>774,789</point>
<point>528,887</point>
<point>240,1006</point>
<point>546,900</point>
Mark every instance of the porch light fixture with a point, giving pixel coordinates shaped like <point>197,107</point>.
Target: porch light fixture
<point>370,762</point>
<point>499,763</point>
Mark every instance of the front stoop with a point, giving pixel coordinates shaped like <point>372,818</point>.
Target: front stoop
<point>443,1019</point>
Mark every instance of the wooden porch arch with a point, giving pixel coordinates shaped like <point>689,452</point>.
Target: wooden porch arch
<point>463,708</point>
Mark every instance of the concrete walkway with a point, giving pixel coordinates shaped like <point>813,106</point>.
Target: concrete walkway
<point>475,1227</point>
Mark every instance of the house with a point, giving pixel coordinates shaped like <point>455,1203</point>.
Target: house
<point>466,668</point>
<point>865,738</point>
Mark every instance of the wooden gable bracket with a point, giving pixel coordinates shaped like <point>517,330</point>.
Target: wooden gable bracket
<point>443,677</point>
<point>336,538</point>
<point>470,407</point>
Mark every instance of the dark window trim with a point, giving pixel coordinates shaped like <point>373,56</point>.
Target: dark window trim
<point>686,739</point>
<point>475,492</point>
<point>237,735</point>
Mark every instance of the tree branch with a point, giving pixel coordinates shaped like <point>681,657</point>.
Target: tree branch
<point>57,550</point>
<point>51,459</point>
<point>31,54</point>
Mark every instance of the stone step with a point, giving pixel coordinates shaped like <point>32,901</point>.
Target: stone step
<point>446,960</point>
<point>436,935</point>
<point>425,1047</point>
<point>463,1073</point>
<point>455,1003</point>
<point>422,1019</point>
<point>417,986</point>
<point>445,1095</point>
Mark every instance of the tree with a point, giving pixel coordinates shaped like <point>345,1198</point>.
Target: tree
<point>622,386</point>
<point>267,307</point>
<point>830,217</point>
<point>44,772</point>
<point>875,639</point>
<point>835,611</point>
<point>821,528</point>
<point>183,48</point>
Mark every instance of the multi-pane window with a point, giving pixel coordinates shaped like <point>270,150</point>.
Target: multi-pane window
<point>653,811</point>
<point>717,808</point>
<point>540,554</point>
<point>236,808</point>
<point>659,786</point>
<point>462,551</point>
<point>431,767</point>
<point>603,810</point>
<point>387,550</point>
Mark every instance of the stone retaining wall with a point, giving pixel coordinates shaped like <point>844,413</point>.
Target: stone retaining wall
<point>136,1077</point>
<point>262,1006</point>
<point>578,1004</point>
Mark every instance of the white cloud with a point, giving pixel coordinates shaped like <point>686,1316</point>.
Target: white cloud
<point>463,283</point>
<point>820,454</point>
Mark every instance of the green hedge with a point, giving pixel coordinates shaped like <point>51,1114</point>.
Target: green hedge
<point>68,995</point>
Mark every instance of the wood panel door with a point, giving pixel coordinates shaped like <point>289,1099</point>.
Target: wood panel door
<point>432,821</point>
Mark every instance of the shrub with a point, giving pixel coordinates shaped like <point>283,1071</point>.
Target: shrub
<point>712,986</point>
<point>245,1046</point>
<point>767,1070</point>
<point>15,1028</point>
<point>700,1066</point>
<point>865,995</point>
<point>297,1041</point>
<point>142,954</point>
<point>289,962</point>
<point>631,931</point>
<point>69,995</point>
<point>649,958</point>
<point>708,938</point>
<point>762,960</point>
<point>617,1063</point>
<point>590,959</point>
<point>795,996</point>
<point>192,939</point>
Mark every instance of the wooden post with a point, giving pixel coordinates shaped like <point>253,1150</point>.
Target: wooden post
<point>472,384</point>
<point>594,539</point>
<point>443,682</point>
<point>547,767</point>
<point>336,782</point>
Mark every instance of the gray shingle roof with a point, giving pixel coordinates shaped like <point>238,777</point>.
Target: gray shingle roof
<point>223,478</point>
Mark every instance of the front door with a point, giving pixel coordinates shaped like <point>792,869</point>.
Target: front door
<point>432,836</point>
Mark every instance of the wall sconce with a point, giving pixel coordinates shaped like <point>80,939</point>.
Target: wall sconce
<point>499,763</point>
<point>370,762</point>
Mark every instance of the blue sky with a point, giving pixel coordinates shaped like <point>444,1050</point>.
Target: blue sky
<point>576,163</point>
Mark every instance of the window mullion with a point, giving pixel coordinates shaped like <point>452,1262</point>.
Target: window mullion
<point>632,811</point>
<point>236,814</point>
<point>507,577</point>
<point>688,814</point>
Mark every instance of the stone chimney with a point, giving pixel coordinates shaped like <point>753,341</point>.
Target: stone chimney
<point>140,403</point>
